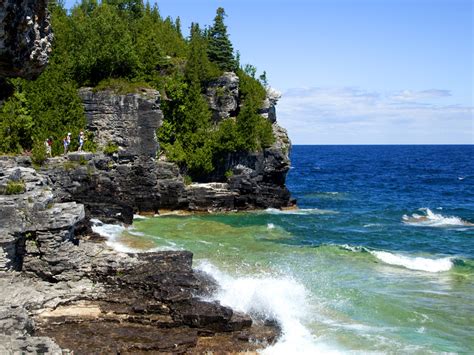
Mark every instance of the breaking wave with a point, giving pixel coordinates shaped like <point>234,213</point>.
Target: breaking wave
<point>409,262</point>
<point>414,263</point>
<point>271,298</point>
<point>431,219</point>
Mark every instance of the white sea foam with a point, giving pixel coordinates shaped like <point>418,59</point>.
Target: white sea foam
<point>137,216</point>
<point>270,226</point>
<point>301,211</point>
<point>414,263</point>
<point>112,232</point>
<point>370,225</point>
<point>280,299</point>
<point>431,219</point>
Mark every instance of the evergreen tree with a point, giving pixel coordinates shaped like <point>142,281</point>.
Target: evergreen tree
<point>220,48</point>
<point>177,24</point>
<point>198,67</point>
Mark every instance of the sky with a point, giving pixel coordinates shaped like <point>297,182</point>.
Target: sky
<point>356,71</point>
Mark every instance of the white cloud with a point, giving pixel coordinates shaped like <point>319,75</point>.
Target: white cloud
<point>355,116</point>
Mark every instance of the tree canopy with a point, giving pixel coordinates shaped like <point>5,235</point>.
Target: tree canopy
<point>127,43</point>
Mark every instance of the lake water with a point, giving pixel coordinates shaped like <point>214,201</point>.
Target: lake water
<point>379,258</point>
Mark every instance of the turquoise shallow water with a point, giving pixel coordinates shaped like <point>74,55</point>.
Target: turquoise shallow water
<point>378,259</point>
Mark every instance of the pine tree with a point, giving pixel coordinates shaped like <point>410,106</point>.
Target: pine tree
<point>220,48</point>
<point>198,67</point>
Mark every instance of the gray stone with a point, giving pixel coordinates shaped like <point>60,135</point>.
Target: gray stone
<point>129,121</point>
<point>25,37</point>
<point>223,96</point>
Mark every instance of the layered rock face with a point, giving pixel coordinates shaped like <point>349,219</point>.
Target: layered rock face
<point>25,37</point>
<point>129,121</point>
<point>113,187</point>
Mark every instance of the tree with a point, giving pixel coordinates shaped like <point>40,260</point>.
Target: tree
<point>198,66</point>
<point>15,122</point>
<point>220,48</point>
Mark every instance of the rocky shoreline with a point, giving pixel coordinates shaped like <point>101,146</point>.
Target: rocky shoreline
<point>64,290</point>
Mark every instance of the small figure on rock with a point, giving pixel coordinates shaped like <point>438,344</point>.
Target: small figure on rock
<point>67,143</point>
<point>47,144</point>
<point>81,141</point>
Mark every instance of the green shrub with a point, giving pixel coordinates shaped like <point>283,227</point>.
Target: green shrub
<point>15,187</point>
<point>111,148</point>
<point>89,143</point>
<point>121,86</point>
<point>229,174</point>
<point>69,165</point>
<point>38,153</point>
<point>187,180</point>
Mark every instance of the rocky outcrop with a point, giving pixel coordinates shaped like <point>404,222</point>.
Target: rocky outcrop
<point>129,121</point>
<point>268,109</point>
<point>25,37</point>
<point>113,187</point>
<point>64,290</point>
<point>34,232</point>
<point>223,96</point>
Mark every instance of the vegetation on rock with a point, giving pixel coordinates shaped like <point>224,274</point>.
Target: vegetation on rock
<point>124,46</point>
<point>15,187</point>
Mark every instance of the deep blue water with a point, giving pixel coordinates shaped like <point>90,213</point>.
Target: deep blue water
<point>372,187</point>
<point>379,257</point>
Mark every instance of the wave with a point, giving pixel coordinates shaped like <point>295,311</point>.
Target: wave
<point>409,262</point>
<point>113,233</point>
<point>137,216</point>
<point>300,211</point>
<point>431,219</point>
<point>415,263</point>
<point>270,226</point>
<point>271,298</point>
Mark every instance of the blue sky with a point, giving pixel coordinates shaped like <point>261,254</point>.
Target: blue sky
<point>357,71</point>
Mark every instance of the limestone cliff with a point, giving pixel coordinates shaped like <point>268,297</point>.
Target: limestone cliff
<point>25,37</point>
<point>115,186</point>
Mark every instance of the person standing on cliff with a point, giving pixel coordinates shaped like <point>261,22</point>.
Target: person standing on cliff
<point>48,142</point>
<point>81,141</point>
<point>67,142</point>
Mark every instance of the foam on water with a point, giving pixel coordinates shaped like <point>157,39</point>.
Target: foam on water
<point>270,226</point>
<point>112,232</point>
<point>431,219</point>
<point>301,211</point>
<point>408,262</point>
<point>271,298</point>
<point>414,263</point>
<point>137,216</point>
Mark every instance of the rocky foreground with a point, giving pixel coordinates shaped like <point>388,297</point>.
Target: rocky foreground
<point>63,289</point>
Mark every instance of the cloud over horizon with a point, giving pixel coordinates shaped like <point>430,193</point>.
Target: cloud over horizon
<point>351,115</point>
